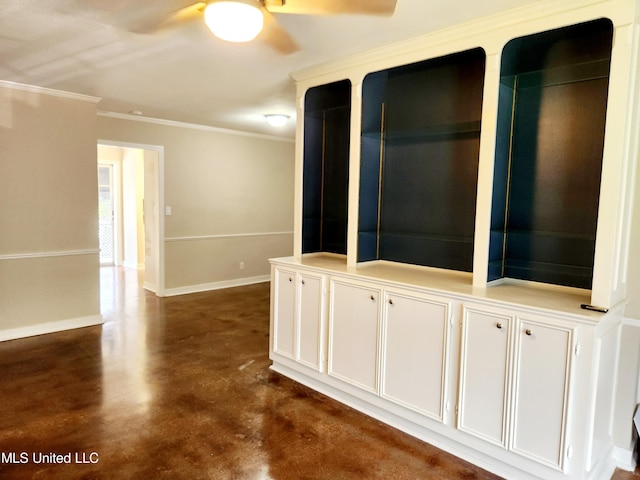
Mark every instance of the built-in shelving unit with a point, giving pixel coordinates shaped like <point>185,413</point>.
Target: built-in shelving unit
<point>548,164</point>
<point>419,162</point>
<point>477,184</point>
<point>326,168</point>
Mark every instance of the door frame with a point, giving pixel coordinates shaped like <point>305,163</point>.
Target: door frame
<point>159,184</point>
<point>114,172</point>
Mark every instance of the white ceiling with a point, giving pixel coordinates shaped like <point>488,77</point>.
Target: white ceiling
<point>185,74</point>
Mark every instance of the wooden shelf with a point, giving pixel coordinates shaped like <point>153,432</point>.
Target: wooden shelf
<point>432,133</point>
<point>561,75</point>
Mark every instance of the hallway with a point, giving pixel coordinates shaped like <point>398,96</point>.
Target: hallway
<point>179,388</point>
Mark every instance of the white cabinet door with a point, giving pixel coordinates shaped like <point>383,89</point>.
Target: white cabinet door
<point>311,321</point>
<point>484,369</point>
<point>414,352</point>
<point>542,372</point>
<point>284,314</point>
<point>353,334</point>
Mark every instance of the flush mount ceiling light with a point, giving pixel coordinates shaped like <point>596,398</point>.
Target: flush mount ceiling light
<point>234,20</point>
<point>276,119</point>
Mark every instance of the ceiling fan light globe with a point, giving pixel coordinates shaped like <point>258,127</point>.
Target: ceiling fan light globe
<point>234,21</point>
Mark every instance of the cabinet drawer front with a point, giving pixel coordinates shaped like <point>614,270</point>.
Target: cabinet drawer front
<point>540,395</point>
<point>414,347</point>
<point>284,314</point>
<point>483,375</point>
<point>353,334</point>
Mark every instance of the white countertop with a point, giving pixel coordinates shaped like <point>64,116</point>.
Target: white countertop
<point>548,298</point>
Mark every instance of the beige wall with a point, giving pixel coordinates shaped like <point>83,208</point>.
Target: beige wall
<point>48,211</point>
<point>231,197</point>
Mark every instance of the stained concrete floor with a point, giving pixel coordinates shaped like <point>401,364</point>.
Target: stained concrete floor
<point>179,388</point>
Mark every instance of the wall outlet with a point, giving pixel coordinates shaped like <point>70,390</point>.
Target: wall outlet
<point>241,265</point>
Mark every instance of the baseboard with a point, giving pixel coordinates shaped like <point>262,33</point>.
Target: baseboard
<point>50,327</point>
<point>624,459</point>
<point>205,287</point>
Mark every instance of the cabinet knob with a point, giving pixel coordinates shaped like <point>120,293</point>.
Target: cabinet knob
<point>528,331</point>
<point>390,302</point>
<point>499,326</point>
<point>290,279</point>
<point>302,282</point>
<point>373,299</point>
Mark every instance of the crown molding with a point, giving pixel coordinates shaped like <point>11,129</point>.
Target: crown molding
<point>466,32</point>
<point>49,91</point>
<point>192,126</point>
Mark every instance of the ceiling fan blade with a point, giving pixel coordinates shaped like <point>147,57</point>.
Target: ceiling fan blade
<point>332,7</point>
<point>274,35</point>
<point>182,15</point>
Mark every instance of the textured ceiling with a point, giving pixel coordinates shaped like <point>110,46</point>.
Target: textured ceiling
<point>184,73</point>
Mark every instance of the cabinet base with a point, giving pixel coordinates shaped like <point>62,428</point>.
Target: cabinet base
<point>444,437</point>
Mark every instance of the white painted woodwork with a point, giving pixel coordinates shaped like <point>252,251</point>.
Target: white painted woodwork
<point>523,401</point>
<point>284,312</point>
<point>484,370</point>
<point>310,320</point>
<point>491,34</point>
<point>542,373</point>
<point>533,407</point>
<point>414,352</point>
<point>353,334</point>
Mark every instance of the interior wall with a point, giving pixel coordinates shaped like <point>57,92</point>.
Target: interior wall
<point>231,199</point>
<point>49,255</point>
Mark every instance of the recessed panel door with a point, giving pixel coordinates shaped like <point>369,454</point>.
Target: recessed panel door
<point>311,324</point>
<point>353,334</point>
<point>284,314</point>
<point>414,352</point>
<point>543,353</point>
<point>484,369</point>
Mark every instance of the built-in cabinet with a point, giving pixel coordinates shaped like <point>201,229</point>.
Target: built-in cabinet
<point>513,377</point>
<point>299,316</point>
<point>514,381</point>
<point>459,199</point>
<point>391,343</point>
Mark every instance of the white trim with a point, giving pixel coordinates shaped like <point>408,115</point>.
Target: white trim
<point>193,126</point>
<point>632,322</point>
<point>624,459</point>
<point>205,287</point>
<point>159,284</point>
<point>50,327</point>
<point>66,253</point>
<point>228,235</point>
<point>49,91</point>
<point>364,61</point>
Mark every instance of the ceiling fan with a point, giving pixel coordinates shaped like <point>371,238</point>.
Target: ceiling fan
<point>243,20</point>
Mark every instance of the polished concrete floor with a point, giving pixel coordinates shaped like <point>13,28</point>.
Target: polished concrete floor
<point>179,388</point>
